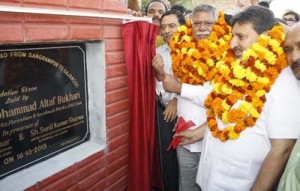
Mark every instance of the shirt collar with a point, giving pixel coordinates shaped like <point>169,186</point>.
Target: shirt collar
<point>165,47</point>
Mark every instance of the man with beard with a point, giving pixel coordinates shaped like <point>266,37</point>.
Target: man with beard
<point>167,102</point>
<point>290,179</point>
<point>243,153</point>
<point>203,19</point>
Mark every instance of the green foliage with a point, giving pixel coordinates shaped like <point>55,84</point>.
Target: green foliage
<point>143,6</point>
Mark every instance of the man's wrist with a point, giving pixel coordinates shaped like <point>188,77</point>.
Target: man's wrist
<point>160,77</point>
<point>179,88</point>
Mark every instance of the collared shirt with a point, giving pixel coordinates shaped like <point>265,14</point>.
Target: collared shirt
<point>165,52</point>
<point>190,107</point>
<point>234,165</point>
<point>189,103</point>
<point>159,41</point>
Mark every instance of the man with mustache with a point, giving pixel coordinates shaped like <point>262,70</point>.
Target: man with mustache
<point>167,102</point>
<point>290,179</point>
<point>255,159</point>
<point>203,19</point>
<point>155,9</point>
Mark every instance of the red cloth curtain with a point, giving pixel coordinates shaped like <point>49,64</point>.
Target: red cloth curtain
<point>139,46</point>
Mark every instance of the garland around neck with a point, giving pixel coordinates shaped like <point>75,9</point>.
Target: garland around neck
<point>194,62</point>
<point>248,81</point>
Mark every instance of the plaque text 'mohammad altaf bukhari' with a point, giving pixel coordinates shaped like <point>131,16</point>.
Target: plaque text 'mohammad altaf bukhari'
<point>43,99</point>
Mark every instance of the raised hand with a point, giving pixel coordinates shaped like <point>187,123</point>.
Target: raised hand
<point>158,66</point>
<point>171,84</point>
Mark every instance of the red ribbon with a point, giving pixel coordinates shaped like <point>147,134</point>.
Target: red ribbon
<point>182,125</point>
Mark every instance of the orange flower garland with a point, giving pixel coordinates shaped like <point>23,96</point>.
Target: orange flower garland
<point>193,62</point>
<point>246,81</point>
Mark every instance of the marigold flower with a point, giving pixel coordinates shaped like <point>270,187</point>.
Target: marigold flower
<point>260,93</point>
<point>260,66</point>
<point>239,86</point>
<point>224,117</point>
<point>222,42</point>
<point>186,38</point>
<point>225,70</point>
<point>200,71</point>
<point>245,106</point>
<point>274,43</point>
<point>232,134</point>
<point>256,102</point>
<point>210,62</point>
<point>263,80</point>
<point>254,113</point>
<point>184,50</point>
<point>239,71</point>
<point>182,28</point>
<point>271,58</point>
<point>226,89</point>
<point>250,76</point>
<point>191,52</point>
<point>278,50</point>
<point>225,105</point>
<point>237,82</point>
<point>257,47</point>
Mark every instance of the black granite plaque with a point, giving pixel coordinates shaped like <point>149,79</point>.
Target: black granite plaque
<point>43,99</point>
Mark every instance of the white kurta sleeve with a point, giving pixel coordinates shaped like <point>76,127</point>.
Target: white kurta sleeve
<point>282,107</point>
<point>165,97</point>
<point>196,93</point>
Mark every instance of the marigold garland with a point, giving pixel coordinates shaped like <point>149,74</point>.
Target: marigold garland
<point>248,81</point>
<point>194,62</point>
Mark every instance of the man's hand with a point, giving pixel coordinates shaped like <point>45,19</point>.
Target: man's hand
<point>135,13</point>
<point>158,65</point>
<point>192,136</point>
<point>170,112</point>
<point>171,84</point>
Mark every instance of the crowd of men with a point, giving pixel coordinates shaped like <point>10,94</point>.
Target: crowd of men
<point>266,155</point>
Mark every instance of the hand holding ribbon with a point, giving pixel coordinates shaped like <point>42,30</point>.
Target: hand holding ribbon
<point>182,125</point>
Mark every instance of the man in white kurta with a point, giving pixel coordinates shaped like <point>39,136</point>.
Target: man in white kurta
<point>256,159</point>
<point>167,103</point>
<point>290,179</point>
<point>203,18</point>
<point>235,164</point>
<point>189,155</point>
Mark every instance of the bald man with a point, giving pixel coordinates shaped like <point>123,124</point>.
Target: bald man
<point>290,179</point>
<point>167,3</point>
